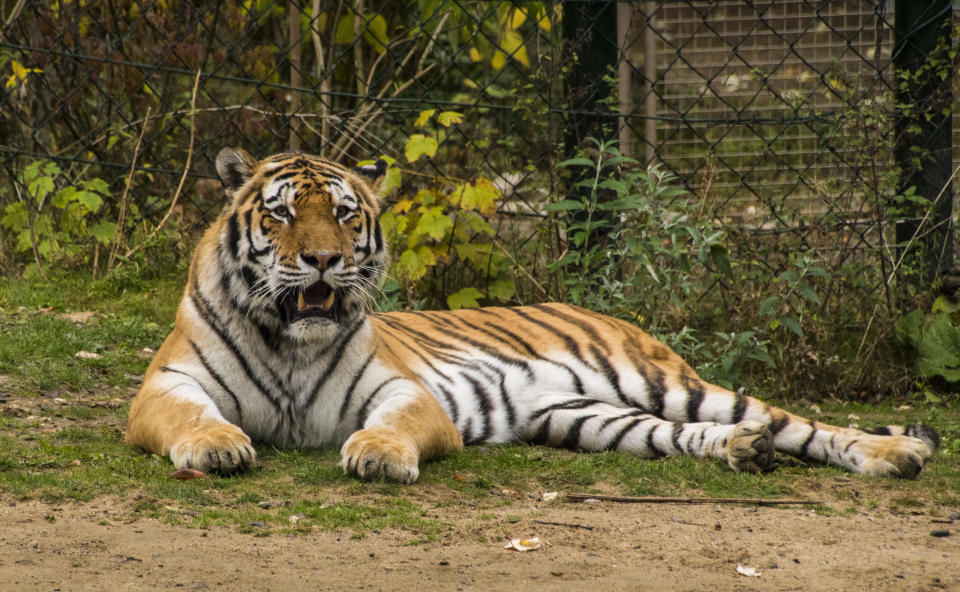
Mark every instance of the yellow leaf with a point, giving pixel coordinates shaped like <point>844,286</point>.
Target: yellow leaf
<point>402,206</point>
<point>544,21</point>
<point>424,117</point>
<point>499,60</point>
<point>448,118</point>
<point>376,34</point>
<point>517,17</point>
<point>419,145</point>
<point>512,44</point>
<point>475,55</point>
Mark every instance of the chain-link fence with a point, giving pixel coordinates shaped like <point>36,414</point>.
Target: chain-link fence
<point>782,114</point>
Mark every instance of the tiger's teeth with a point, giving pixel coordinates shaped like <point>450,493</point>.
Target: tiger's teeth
<point>301,304</point>
<point>328,301</point>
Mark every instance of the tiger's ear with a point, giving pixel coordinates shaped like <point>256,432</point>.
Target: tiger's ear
<point>235,166</point>
<point>374,173</point>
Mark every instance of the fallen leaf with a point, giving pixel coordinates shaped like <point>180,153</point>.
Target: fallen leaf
<point>531,544</point>
<point>750,572</point>
<point>78,317</point>
<point>85,355</point>
<point>185,474</point>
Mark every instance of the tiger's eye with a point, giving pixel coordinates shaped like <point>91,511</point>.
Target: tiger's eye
<point>281,212</point>
<point>342,212</point>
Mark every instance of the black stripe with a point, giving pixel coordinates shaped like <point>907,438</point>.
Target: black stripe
<point>362,412</point>
<point>339,347</point>
<point>577,403</point>
<point>776,425</point>
<point>210,318</point>
<point>694,394</point>
<point>615,442</point>
<point>572,439</point>
<point>219,380</point>
<point>451,402</point>
<point>675,436</point>
<point>348,395</point>
<point>404,343</point>
<point>233,236</point>
<point>656,389</point>
<point>485,406</point>
<point>571,345</point>
<point>809,440</point>
<point>581,324</point>
<point>610,373</point>
<point>657,453</point>
<point>466,434</point>
<point>542,435</point>
<point>739,407</point>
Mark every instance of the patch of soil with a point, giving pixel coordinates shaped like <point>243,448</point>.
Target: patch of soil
<point>607,546</point>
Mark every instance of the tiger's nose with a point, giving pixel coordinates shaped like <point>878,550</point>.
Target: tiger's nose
<point>321,260</point>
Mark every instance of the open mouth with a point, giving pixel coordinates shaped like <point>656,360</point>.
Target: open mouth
<point>316,300</point>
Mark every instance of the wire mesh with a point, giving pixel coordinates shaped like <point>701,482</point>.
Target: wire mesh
<point>757,106</point>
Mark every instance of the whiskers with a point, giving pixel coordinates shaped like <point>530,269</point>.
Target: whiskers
<point>365,288</point>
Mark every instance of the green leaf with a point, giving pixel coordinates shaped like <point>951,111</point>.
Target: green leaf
<point>434,222</point>
<point>566,204</point>
<point>577,162</point>
<point>419,145</point>
<point>63,197</point>
<point>791,324</point>
<point>808,293</point>
<point>720,258</point>
<point>411,265</point>
<point>90,200</point>
<point>40,187</point>
<point>502,289</point>
<point>103,232</point>
<point>15,216</point>
<point>465,298</point>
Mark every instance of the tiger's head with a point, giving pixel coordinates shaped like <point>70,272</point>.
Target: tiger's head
<point>300,242</point>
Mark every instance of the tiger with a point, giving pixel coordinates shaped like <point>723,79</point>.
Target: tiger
<point>276,342</point>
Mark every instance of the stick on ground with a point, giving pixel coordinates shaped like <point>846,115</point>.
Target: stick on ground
<point>579,497</point>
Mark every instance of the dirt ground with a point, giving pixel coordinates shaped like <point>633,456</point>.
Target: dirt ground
<point>609,545</point>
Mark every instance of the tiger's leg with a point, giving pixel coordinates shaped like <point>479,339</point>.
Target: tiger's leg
<point>172,415</point>
<point>896,452</point>
<point>586,424</point>
<point>402,430</point>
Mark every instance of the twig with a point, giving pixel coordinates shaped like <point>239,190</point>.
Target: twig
<point>579,497</point>
<point>567,524</point>
<point>520,267</point>
<point>121,217</point>
<point>186,169</point>
<point>33,236</point>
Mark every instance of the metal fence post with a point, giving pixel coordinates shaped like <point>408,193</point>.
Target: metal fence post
<point>923,149</point>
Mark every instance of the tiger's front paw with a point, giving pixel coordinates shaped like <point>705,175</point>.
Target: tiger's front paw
<point>220,447</point>
<point>380,453</point>
<point>750,448</point>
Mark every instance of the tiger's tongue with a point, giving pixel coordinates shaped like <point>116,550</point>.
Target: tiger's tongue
<point>318,295</point>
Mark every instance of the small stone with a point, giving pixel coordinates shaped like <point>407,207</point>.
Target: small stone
<point>954,515</point>
<point>940,532</point>
<point>257,524</point>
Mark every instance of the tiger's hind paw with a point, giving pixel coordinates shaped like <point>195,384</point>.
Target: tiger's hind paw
<point>750,448</point>
<point>380,453</point>
<point>222,448</point>
<point>892,456</point>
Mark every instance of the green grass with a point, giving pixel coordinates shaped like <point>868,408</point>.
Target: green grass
<point>71,448</point>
